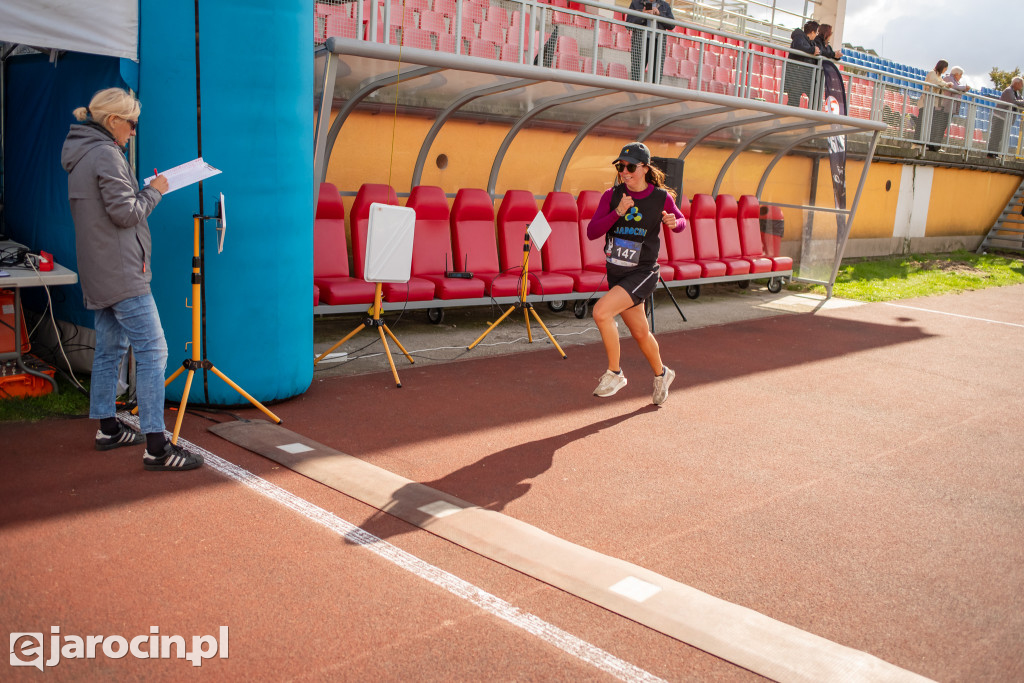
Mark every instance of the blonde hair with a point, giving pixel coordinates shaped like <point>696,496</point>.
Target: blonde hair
<point>109,102</point>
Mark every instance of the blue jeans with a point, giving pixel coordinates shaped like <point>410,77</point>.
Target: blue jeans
<point>133,321</point>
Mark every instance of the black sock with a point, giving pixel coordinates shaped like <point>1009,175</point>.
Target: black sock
<point>663,371</point>
<point>109,426</point>
<point>617,372</point>
<point>155,443</point>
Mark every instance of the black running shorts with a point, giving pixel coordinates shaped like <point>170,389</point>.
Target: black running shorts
<point>639,284</point>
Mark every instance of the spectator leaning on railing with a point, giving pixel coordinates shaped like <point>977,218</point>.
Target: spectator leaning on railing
<point>798,76</point>
<point>824,43</point>
<point>940,112</point>
<point>1011,98</point>
<point>952,105</point>
<point>637,52</point>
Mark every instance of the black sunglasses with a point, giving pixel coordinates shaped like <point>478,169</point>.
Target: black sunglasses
<point>620,167</point>
<point>134,125</point>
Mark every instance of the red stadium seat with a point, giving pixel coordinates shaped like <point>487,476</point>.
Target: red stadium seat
<point>616,70</point>
<point>510,53</point>
<point>567,45</point>
<point>591,251</point>
<point>729,251</point>
<point>492,31</point>
<point>567,62</point>
<point>472,222</point>
<point>705,236</point>
<point>446,7</point>
<point>771,227</point>
<point>414,37</point>
<point>478,47</point>
<point>416,289</point>
<point>688,70</point>
<point>562,251</point>
<point>331,280</point>
<point>497,15</point>
<point>338,24</point>
<point>360,221</point>
<point>517,210</point>
<point>432,246</point>
<point>433,22</point>
<point>680,248</point>
<point>750,235</point>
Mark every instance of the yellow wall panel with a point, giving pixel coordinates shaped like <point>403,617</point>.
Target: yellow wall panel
<point>966,202</point>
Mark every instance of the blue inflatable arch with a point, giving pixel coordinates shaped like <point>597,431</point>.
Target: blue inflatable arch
<point>256,93</point>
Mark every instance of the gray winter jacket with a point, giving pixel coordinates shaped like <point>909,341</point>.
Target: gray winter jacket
<point>111,234</point>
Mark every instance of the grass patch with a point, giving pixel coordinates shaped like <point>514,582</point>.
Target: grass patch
<point>917,275</point>
<point>69,402</point>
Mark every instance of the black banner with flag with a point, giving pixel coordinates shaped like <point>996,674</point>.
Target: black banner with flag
<point>835,103</point>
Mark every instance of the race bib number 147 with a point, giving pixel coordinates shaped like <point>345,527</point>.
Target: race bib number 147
<point>623,252</point>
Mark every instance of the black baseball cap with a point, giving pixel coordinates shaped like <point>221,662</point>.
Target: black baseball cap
<point>635,153</point>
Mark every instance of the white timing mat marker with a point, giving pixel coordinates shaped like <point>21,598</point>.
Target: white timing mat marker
<point>737,634</point>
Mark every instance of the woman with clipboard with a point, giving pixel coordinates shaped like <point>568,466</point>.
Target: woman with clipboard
<point>114,248</point>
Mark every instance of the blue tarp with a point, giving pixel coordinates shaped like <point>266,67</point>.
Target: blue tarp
<point>40,98</point>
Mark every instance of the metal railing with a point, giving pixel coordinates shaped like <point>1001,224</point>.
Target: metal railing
<point>592,40</point>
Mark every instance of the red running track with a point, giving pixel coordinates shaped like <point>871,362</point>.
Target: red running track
<point>854,472</point>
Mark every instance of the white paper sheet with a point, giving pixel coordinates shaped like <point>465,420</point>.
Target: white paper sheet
<point>186,174</point>
<point>539,230</point>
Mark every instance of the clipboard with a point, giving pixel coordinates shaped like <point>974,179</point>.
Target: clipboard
<point>186,174</point>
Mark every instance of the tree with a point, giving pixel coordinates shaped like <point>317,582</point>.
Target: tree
<point>1001,78</point>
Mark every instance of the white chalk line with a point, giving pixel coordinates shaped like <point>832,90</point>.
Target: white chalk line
<point>549,633</point>
<point>955,315</point>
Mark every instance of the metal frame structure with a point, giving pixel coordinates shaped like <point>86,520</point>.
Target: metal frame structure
<point>522,96</point>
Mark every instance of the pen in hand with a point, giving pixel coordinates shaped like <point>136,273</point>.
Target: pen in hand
<point>159,183</point>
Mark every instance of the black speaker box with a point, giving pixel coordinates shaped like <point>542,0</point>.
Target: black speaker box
<point>673,169</point>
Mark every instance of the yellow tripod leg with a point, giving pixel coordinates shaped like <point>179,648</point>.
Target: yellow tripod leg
<point>243,392</point>
<point>395,339</point>
<point>488,330</point>
<point>526,316</point>
<point>343,340</point>
<point>391,361</point>
<point>550,336</point>
<point>181,408</point>
<point>174,375</point>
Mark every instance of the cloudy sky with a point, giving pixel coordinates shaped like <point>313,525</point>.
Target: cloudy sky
<point>974,34</point>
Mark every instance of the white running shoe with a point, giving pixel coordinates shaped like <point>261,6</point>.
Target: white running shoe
<point>661,384</point>
<point>610,383</point>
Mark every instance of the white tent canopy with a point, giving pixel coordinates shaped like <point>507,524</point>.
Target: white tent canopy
<point>101,27</point>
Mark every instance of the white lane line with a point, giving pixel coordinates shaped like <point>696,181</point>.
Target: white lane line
<point>955,315</point>
<point>591,654</point>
